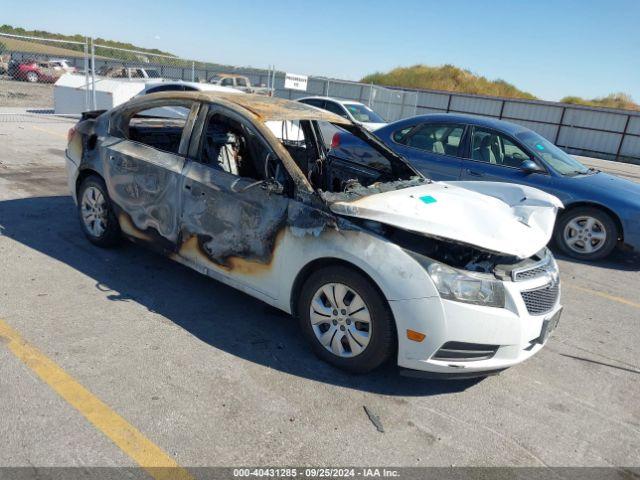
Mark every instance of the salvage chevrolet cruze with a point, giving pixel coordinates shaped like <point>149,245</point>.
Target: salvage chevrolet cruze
<point>372,258</point>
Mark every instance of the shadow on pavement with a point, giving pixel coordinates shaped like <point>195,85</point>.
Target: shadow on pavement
<point>213,312</point>
<point>619,259</point>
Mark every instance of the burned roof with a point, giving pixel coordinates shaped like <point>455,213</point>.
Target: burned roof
<point>263,107</point>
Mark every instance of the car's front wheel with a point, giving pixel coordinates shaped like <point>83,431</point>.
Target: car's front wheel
<point>96,213</point>
<point>32,77</point>
<point>586,233</point>
<point>346,320</point>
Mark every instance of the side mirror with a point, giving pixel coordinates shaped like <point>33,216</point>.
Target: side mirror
<point>529,166</point>
<point>272,186</point>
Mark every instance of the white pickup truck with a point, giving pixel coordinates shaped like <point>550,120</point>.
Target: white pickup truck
<point>239,82</point>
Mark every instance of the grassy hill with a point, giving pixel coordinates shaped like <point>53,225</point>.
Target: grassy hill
<point>27,46</point>
<point>453,79</point>
<point>445,77</point>
<point>614,100</point>
<point>107,50</point>
<point>73,38</point>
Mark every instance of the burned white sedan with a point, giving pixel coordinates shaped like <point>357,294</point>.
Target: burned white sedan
<point>374,260</point>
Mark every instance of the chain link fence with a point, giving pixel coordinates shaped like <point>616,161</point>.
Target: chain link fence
<point>29,67</point>
<point>102,76</point>
<point>390,104</point>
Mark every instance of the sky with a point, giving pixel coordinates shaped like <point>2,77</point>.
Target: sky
<point>551,48</point>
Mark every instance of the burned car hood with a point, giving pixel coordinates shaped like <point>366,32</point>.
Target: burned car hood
<point>498,217</point>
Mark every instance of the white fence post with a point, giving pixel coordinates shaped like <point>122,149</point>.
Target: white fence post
<point>86,73</point>
<point>93,75</point>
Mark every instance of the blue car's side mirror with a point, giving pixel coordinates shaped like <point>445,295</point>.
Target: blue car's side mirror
<point>529,166</point>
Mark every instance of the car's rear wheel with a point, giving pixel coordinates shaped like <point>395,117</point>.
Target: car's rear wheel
<point>586,233</point>
<point>96,213</point>
<point>346,320</point>
<point>32,77</point>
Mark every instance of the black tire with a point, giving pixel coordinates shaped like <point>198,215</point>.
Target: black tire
<point>112,234</point>
<point>32,77</point>
<point>610,229</point>
<point>382,343</point>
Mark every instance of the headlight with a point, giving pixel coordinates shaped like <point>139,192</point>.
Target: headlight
<point>467,287</point>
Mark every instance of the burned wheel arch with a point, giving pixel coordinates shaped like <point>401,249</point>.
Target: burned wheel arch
<point>320,263</point>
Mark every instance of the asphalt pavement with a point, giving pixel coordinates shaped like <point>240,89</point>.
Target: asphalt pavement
<point>103,352</point>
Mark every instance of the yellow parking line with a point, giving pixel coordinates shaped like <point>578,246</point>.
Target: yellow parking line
<point>50,132</point>
<point>129,439</point>
<point>605,295</point>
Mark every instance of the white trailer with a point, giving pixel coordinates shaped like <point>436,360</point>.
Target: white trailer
<point>70,93</point>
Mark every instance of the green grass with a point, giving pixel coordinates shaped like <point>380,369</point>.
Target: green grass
<point>76,38</point>
<point>106,51</point>
<point>620,100</point>
<point>453,79</point>
<point>448,78</point>
<point>9,44</point>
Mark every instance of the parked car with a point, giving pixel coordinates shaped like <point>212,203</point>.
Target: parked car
<point>128,72</point>
<point>601,210</point>
<point>355,111</point>
<point>62,64</point>
<point>156,86</point>
<point>12,67</point>
<point>373,259</point>
<point>239,82</point>
<point>44,72</point>
<point>4,63</point>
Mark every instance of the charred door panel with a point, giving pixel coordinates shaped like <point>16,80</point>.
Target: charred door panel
<point>231,224</point>
<point>145,185</point>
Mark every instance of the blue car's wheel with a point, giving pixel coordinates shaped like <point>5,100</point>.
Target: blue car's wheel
<point>586,233</point>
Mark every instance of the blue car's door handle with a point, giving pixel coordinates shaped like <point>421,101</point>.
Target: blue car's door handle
<point>473,172</point>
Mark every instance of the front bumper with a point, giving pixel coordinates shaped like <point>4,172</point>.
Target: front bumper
<point>513,331</point>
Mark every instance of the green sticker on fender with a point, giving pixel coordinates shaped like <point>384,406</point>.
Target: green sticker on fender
<point>428,199</point>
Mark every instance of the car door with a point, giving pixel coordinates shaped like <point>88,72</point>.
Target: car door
<point>233,213</point>
<point>144,159</point>
<point>227,82</point>
<point>497,157</point>
<point>435,149</point>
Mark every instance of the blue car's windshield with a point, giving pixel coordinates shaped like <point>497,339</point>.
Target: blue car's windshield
<point>558,160</point>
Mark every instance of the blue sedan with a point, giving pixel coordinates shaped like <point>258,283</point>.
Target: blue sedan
<point>601,210</point>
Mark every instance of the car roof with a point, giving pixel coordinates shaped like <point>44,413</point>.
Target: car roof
<point>337,100</point>
<point>207,87</point>
<point>262,107</point>
<point>478,121</point>
<point>228,75</point>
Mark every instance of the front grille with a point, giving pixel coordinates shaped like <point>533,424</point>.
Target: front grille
<point>541,300</point>
<point>539,269</point>
<point>465,352</point>
<point>529,274</point>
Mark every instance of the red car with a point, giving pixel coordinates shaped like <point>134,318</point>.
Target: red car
<point>45,72</point>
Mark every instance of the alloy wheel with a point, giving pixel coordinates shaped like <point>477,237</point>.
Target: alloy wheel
<point>94,211</point>
<point>584,234</point>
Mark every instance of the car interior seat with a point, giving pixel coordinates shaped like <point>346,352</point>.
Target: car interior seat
<point>438,147</point>
<point>426,141</point>
<point>486,151</point>
<point>221,149</point>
